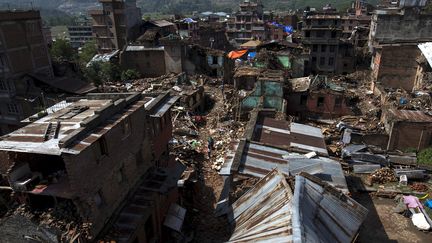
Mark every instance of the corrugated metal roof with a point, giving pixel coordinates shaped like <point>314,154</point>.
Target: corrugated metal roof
<point>316,212</point>
<point>258,160</point>
<point>284,135</point>
<point>263,214</point>
<point>409,115</point>
<point>323,215</point>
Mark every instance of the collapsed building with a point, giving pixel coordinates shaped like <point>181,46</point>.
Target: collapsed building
<point>268,92</point>
<point>395,53</point>
<point>317,97</point>
<point>103,138</point>
<point>154,56</point>
<point>270,143</point>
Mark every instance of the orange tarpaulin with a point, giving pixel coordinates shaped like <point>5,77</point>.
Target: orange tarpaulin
<point>236,54</point>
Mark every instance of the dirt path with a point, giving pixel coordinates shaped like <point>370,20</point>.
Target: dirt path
<point>208,227</point>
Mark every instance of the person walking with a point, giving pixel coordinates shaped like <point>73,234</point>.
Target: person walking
<point>210,145</point>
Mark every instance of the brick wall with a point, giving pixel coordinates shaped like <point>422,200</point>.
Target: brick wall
<point>108,178</point>
<point>397,67</point>
<point>404,135</point>
<point>308,105</point>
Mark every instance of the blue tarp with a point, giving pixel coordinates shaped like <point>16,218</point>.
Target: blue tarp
<point>189,20</point>
<point>287,29</point>
<point>251,55</point>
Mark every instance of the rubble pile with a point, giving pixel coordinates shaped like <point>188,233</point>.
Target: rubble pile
<point>63,217</point>
<point>382,176</point>
<point>419,187</point>
<point>161,83</point>
<point>409,101</point>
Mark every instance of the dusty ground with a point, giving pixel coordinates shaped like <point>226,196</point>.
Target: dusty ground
<point>208,227</point>
<point>382,225</point>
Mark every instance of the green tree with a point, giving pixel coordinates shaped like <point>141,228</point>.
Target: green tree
<point>88,51</point>
<point>130,74</point>
<point>101,72</point>
<point>109,72</point>
<point>61,50</point>
<point>91,73</point>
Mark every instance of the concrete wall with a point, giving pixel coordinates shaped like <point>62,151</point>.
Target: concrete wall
<point>393,27</point>
<point>150,63</point>
<point>396,66</point>
<point>173,58</point>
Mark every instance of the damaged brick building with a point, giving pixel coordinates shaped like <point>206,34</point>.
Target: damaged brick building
<point>395,52</point>
<point>330,52</point>
<point>116,142</point>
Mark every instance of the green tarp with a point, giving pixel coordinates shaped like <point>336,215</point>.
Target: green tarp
<point>284,60</point>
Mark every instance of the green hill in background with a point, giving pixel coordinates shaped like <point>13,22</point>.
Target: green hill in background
<point>188,6</point>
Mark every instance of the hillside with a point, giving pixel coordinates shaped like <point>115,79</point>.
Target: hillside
<point>188,6</point>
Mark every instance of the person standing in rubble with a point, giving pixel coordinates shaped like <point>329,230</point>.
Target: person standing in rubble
<point>223,89</point>
<point>210,145</point>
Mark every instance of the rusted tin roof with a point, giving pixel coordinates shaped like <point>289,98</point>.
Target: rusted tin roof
<point>315,212</point>
<point>322,214</point>
<point>258,160</point>
<point>263,214</point>
<point>282,134</point>
<point>409,115</point>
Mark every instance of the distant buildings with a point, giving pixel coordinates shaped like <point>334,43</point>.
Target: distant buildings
<point>81,32</point>
<point>247,23</point>
<point>117,22</point>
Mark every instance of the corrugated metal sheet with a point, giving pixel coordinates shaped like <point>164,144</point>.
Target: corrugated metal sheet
<point>322,215</point>
<point>306,130</point>
<point>263,214</point>
<point>369,157</point>
<point>284,135</point>
<point>258,160</point>
<point>269,212</point>
<point>365,169</point>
